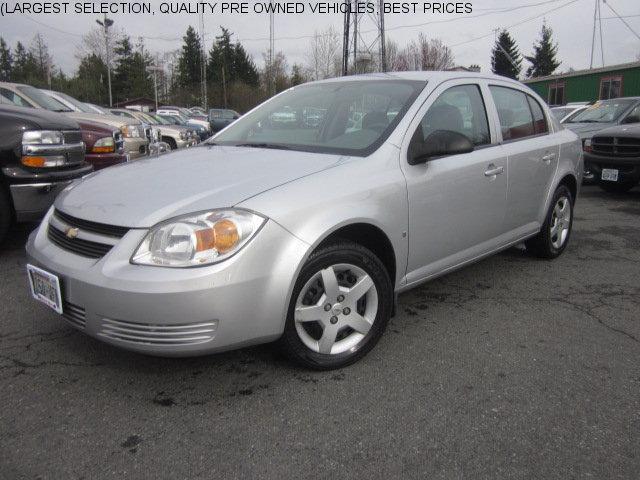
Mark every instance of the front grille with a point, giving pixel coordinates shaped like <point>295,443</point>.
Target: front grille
<point>74,314</point>
<point>616,146</point>
<point>161,335</point>
<point>72,136</point>
<point>76,245</point>
<point>89,226</point>
<point>119,140</point>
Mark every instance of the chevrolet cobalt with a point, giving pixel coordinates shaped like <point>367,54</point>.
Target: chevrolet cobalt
<point>303,220</point>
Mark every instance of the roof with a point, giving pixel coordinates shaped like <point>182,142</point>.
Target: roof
<point>588,71</point>
<point>426,75</point>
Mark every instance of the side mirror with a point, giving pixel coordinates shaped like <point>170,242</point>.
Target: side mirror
<point>437,144</point>
<point>631,119</point>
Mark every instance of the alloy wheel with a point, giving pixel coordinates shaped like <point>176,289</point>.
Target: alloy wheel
<point>560,222</point>
<point>336,309</point>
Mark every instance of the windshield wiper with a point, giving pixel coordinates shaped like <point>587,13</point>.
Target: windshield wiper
<point>264,145</point>
<point>60,110</point>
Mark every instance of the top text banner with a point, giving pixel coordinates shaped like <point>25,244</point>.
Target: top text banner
<point>251,7</point>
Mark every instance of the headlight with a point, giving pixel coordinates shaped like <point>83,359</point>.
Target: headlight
<point>104,145</point>
<point>198,239</point>
<point>586,145</point>
<point>183,136</point>
<point>131,131</point>
<point>42,137</point>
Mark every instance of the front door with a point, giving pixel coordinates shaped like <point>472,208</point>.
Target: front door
<point>456,203</point>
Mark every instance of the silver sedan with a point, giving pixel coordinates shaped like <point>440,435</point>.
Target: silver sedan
<point>304,231</point>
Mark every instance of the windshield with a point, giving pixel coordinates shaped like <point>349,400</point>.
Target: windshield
<point>43,100</point>
<point>161,120</point>
<point>76,103</point>
<point>561,112</point>
<point>606,111</point>
<point>95,109</point>
<point>346,117</point>
<point>148,118</point>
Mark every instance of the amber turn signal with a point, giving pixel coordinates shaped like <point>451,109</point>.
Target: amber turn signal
<point>31,161</point>
<point>223,236</point>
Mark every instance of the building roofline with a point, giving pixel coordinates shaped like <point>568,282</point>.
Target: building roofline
<point>588,71</point>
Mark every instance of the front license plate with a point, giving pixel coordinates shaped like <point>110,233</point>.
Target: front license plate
<point>45,287</point>
<point>610,174</point>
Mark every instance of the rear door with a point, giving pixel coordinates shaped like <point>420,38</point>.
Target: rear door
<point>532,151</point>
<point>457,202</point>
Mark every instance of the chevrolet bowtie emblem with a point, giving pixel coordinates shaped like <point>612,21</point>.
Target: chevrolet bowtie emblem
<point>71,232</point>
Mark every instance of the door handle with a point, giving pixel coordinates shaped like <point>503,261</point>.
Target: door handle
<point>492,171</point>
<point>548,157</point>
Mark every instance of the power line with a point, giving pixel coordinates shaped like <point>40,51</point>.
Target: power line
<point>515,24</point>
<point>622,19</point>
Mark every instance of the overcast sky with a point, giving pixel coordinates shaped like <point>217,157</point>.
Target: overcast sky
<point>572,26</point>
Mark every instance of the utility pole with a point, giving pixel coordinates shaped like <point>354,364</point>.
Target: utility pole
<point>155,69</point>
<point>106,23</point>
<point>203,65</point>
<point>271,87</point>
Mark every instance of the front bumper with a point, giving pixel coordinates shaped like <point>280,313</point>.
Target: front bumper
<point>176,312</point>
<point>136,147</point>
<point>628,167</point>
<point>104,160</point>
<point>33,193</point>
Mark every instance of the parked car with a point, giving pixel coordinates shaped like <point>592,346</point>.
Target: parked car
<point>156,145</point>
<point>104,145</point>
<point>220,118</point>
<point>603,114</point>
<point>613,155</point>
<point>175,136</point>
<point>135,143</point>
<point>198,111</point>
<point>179,120</point>
<point>306,235</point>
<point>567,112</point>
<point>40,154</point>
<point>188,117</point>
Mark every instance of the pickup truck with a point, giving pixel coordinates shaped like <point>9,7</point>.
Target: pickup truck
<point>40,154</point>
<point>613,155</point>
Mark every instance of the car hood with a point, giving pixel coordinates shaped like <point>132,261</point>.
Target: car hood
<point>145,192</point>
<point>112,120</point>
<point>629,130</point>
<point>585,130</point>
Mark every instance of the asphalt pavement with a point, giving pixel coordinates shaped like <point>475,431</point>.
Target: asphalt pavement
<point>511,368</point>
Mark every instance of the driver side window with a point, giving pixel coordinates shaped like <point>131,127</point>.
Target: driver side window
<point>459,109</point>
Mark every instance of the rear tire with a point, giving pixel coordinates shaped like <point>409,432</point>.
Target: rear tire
<point>347,326</point>
<point>615,187</point>
<point>554,235</point>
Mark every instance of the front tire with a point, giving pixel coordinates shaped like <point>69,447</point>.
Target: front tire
<point>554,235</point>
<point>340,307</point>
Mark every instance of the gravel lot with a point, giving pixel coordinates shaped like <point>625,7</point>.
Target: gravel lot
<point>511,368</point>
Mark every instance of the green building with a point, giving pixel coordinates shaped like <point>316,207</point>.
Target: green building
<point>589,85</point>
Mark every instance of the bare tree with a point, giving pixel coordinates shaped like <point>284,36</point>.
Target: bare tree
<point>44,60</point>
<point>323,59</point>
<point>424,54</point>
<point>275,72</point>
<point>93,43</point>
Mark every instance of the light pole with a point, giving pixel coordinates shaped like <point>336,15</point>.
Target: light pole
<point>155,69</point>
<point>106,23</point>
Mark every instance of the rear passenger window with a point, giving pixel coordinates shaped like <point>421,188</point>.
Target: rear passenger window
<point>539,120</point>
<point>514,113</point>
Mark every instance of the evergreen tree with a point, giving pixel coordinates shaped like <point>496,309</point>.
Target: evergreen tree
<point>131,79</point>
<point>90,82</point>
<point>509,64</point>
<point>246,70</point>
<point>297,77</point>
<point>543,60</point>
<point>222,58</point>
<point>189,60</point>
<point>6,61</point>
<point>24,65</point>
<point>43,61</point>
